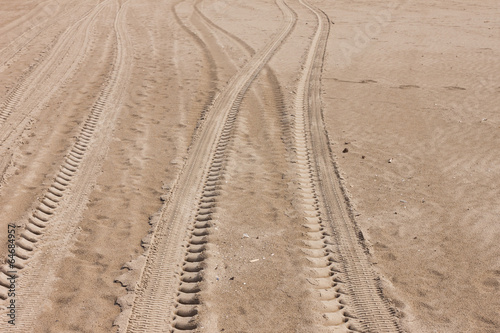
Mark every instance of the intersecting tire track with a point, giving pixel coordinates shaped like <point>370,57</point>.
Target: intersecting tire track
<point>343,281</point>
<point>340,272</point>
<point>270,76</point>
<point>54,222</point>
<point>247,47</point>
<point>325,273</point>
<point>170,280</point>
<point>188,299</point>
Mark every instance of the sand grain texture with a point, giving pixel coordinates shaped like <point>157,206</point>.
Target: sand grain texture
<point>264,166</point>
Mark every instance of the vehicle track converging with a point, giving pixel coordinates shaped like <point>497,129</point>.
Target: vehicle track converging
<point>166,295</point>
<point>341,277</point>
<point>248,166</point>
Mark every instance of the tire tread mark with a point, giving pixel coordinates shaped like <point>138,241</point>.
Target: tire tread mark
<point>271,76</point>
<point>155,294</point>
<point>368,310</point>
<point>22,88</point>
<point>13,117</point>
<point>40,218</point>
<point>60,205</point>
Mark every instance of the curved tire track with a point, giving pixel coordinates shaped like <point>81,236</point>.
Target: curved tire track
<point>269,72</point>
<point>171,276</point>
<point>242,43</point>
<point>212,76</point>
<point>42,13</point>
<point>340,272</point>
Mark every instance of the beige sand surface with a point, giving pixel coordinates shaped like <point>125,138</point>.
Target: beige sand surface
<point>263,166</point>
<point>423,90</point>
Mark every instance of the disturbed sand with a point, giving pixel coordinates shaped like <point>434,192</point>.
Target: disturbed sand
<point>264,166</point>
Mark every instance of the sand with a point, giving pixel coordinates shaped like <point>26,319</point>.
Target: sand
<point>232,166</point>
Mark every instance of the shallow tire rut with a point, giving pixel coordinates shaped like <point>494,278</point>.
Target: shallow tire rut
<point>53,224</point>
<point>40,218</point>
<point>42,81</point>
<point>34,77</point>
<point>25,30</point>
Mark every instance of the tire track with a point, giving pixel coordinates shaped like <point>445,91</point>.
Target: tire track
<point>242,43</point>
<point>216,45</point>
<point>8,31</point>
<point>212,76</point>
<point>170,279</point>
<point>269,73</point>
<point>35,25</point>
<point>27,99</point>
<point>51,229</point>
<point>30,82</point>
<point>42,16</point>
<point>343,282</point>
<point>29,15</point>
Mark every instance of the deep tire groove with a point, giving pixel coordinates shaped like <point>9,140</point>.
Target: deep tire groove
<point>340,270</point>
<point>189,286</point>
